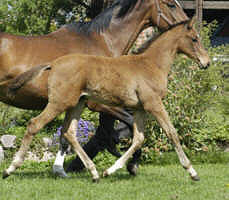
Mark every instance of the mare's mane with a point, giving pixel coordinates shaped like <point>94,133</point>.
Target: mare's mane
<point>102,21</point>
<point>149,40</point>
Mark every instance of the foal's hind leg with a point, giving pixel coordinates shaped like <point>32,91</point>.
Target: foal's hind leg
<point>138,138</point>
<point>33,127</point>
<point>73,116</point>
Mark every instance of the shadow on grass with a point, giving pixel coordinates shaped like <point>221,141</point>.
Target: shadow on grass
<point>30,175</point>
<point>119,176</point>
<point>169,158</point>
<point>83,175</point>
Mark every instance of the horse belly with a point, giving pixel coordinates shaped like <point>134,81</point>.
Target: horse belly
<point>129,98</point>
<point>24,100</point>
<point>33,95</point>
<point>116,97</point>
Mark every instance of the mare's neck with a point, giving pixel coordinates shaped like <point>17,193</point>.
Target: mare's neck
<point>123,32</point>
<point>163,50</point>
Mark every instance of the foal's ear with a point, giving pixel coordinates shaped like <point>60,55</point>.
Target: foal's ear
<point>192,22</point>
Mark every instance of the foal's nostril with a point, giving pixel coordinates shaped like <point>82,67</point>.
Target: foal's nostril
<point>206,66</point>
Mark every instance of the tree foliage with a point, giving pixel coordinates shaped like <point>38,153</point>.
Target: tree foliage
<point>36,17</point>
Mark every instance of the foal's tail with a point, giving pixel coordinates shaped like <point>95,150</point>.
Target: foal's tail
<point>19,81</point>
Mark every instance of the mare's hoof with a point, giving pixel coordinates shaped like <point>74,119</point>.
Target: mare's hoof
<point>59,171</point>
<point>75,166</point>
<point>5,174</point>
<point>195,178</point>
<point>132,168</point>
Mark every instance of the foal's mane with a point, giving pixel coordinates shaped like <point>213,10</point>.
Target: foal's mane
<point>102,21</point>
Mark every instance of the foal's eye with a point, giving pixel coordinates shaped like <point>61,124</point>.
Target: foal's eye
<point>194,39</point>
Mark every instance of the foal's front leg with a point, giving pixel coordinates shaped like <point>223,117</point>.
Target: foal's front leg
<point>156,108</point>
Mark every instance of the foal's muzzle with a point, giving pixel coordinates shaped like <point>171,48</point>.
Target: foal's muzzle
<point>204,61</point>
<point>206,66</point>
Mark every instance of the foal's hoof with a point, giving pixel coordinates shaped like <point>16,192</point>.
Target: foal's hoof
<point>132,168</point>
<point>59,171</point>
<point>95,180</point>
<point>195,178</point>
<point>105,173</point>
<point>5,174</point>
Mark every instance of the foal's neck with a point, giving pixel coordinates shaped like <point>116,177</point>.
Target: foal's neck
<point>123,32</point>
<point>163,50</point>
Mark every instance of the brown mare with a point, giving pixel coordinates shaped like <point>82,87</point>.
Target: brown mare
<point>110,34</point>
<point>135,82</point>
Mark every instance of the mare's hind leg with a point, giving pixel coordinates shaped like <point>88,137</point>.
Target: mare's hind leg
<point>58,166</point>
<point>33,127</point>
<point>73,116</point>
<point>138,138</point>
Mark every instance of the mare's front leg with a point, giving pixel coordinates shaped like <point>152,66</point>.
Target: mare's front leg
<point>156,108</point>
<point>72,119</point>
<point>138,138</point>
<point>125,132</point>
<point>109,136</point>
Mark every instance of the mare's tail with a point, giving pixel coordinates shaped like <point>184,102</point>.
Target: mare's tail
<point>19,81</point>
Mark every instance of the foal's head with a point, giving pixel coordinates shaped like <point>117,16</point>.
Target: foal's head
<point>189,43</point>
<point>166,13</point>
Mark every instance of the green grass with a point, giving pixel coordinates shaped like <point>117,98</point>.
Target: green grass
<point>34,181</point>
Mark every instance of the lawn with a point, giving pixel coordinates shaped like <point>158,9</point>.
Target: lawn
<point>34,181</point>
